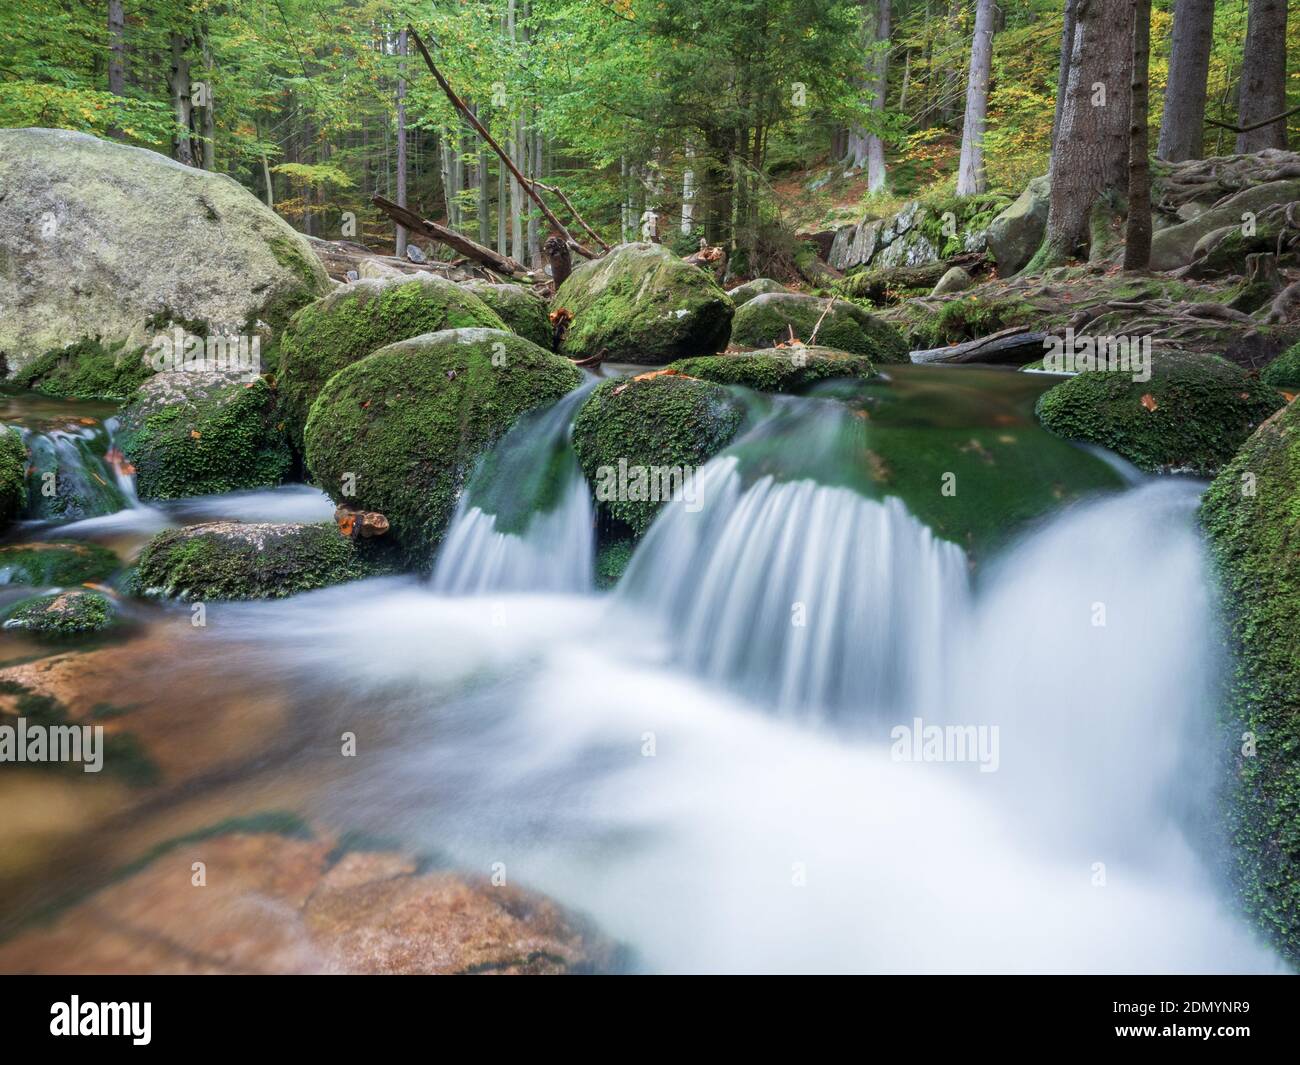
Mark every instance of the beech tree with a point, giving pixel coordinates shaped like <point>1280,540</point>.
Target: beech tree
<point>1263,77</point>
<point>1182,126</point>
<point>866,149</point>
<point>970,170</point>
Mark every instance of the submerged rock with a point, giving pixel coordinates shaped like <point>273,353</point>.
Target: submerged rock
<point>633,437</point>
<point>641,303</point>
<point>190,434</point>
<point>72,613</point>
<point>522,310</point>
<point>776,369</point>
<point>1191,416</point>
<point>13,475</point>
<point>1249,514</point>
<point>233,560</point>
<point>56,563</point>
<point>760,286</point>
<point>116,242</point>
<point>357,320</point>
<point>281,898</point>
<point>400,432</point>
<point>766,321</point>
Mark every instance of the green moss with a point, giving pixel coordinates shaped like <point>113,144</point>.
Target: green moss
<point>86,370</point>
<point>947,220</point>
<point>201,435</point>
<point>660,421</point>
<point>56,563</point>
<point>1284,371</point>
<point>767,320</point>
<point>310,281</point>
<point>966,317</point>
<point>522,310</point>
<point>776,370</point>
<point>406,426</point>
<point>354,321</point>
<point>640,303</point>
<point>1251,514</point>
<point>228,560</point>
<point>611,562</point>
<point>63,614</point>
<point>13,478</point>
<point>1204,407</point>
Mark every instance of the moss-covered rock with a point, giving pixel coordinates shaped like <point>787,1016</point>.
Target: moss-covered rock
<point>358,319</point>
<point>190,434</point>
<point>1251,514</point>
<point>661,421</point>
<point>522,309</point>
<point>769,320</point>
<point>117,242</point>
<point>56,563</point>
<point>13,475</point>
<point>73,613</point>
<point>233,560</point>
<point>760,286</point>
<point>1191,416</point>
<point>87,370</point>
<point>1175,246</point>
<point>642,304</point>
<point>1284,371</point>
<point>776,369</point>
<point>399,432</point>
<point>1015,234</point>
<point>612,560</point>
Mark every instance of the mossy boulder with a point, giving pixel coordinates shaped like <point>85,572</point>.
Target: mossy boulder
<point>73,613</point>
<point>612,560</point>
<point>1191,416</point>
<point>87,370</point>
<point>641,303</point>
<point>760,286</point>
<point>776,369</point>
<point>234,560</point>
<point>191,434</point>
<point>13,475</point>
<point>400,432</point>
<point>1251,515</point>
<point>1015,234</point>
<point>1175,246</point>
<point>1284,371</point>
<point>768,320</point>
<point>51,563</point>
<point>358,319</point>
<point>658,422</point>
<point>523,310</point>
<point>104,240</point>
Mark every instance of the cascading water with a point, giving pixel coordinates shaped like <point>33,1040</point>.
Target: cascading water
<point>525,521</point>
<point>75,471</point>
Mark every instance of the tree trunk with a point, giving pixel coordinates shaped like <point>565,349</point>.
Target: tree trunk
<point>117,48</point>
<point>970,171</point>
<point>178,83</point>
<point>1090,157</point>
<point>1182,126</point>
<point>209,109</point>
<point>1137,235</point>
<point>1063,72</point>
<point>1263,77</point>
<point>401,235</point>
<point>879,87</point>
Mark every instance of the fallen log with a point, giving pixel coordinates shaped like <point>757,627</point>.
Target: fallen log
<point>471,249</point>
<point>1009,347</point>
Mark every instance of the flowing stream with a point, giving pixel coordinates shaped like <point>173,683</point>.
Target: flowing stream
<point>726,762</point>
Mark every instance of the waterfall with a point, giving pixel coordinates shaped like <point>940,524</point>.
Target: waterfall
<point>525,521</point>
<point>802,595</point>
<point>76,472</point>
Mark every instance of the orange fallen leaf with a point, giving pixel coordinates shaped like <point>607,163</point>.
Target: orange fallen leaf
<point>1149,401</point>
<point>195,434</point>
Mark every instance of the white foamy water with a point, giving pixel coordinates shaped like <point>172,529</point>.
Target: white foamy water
<point>568,741</point>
